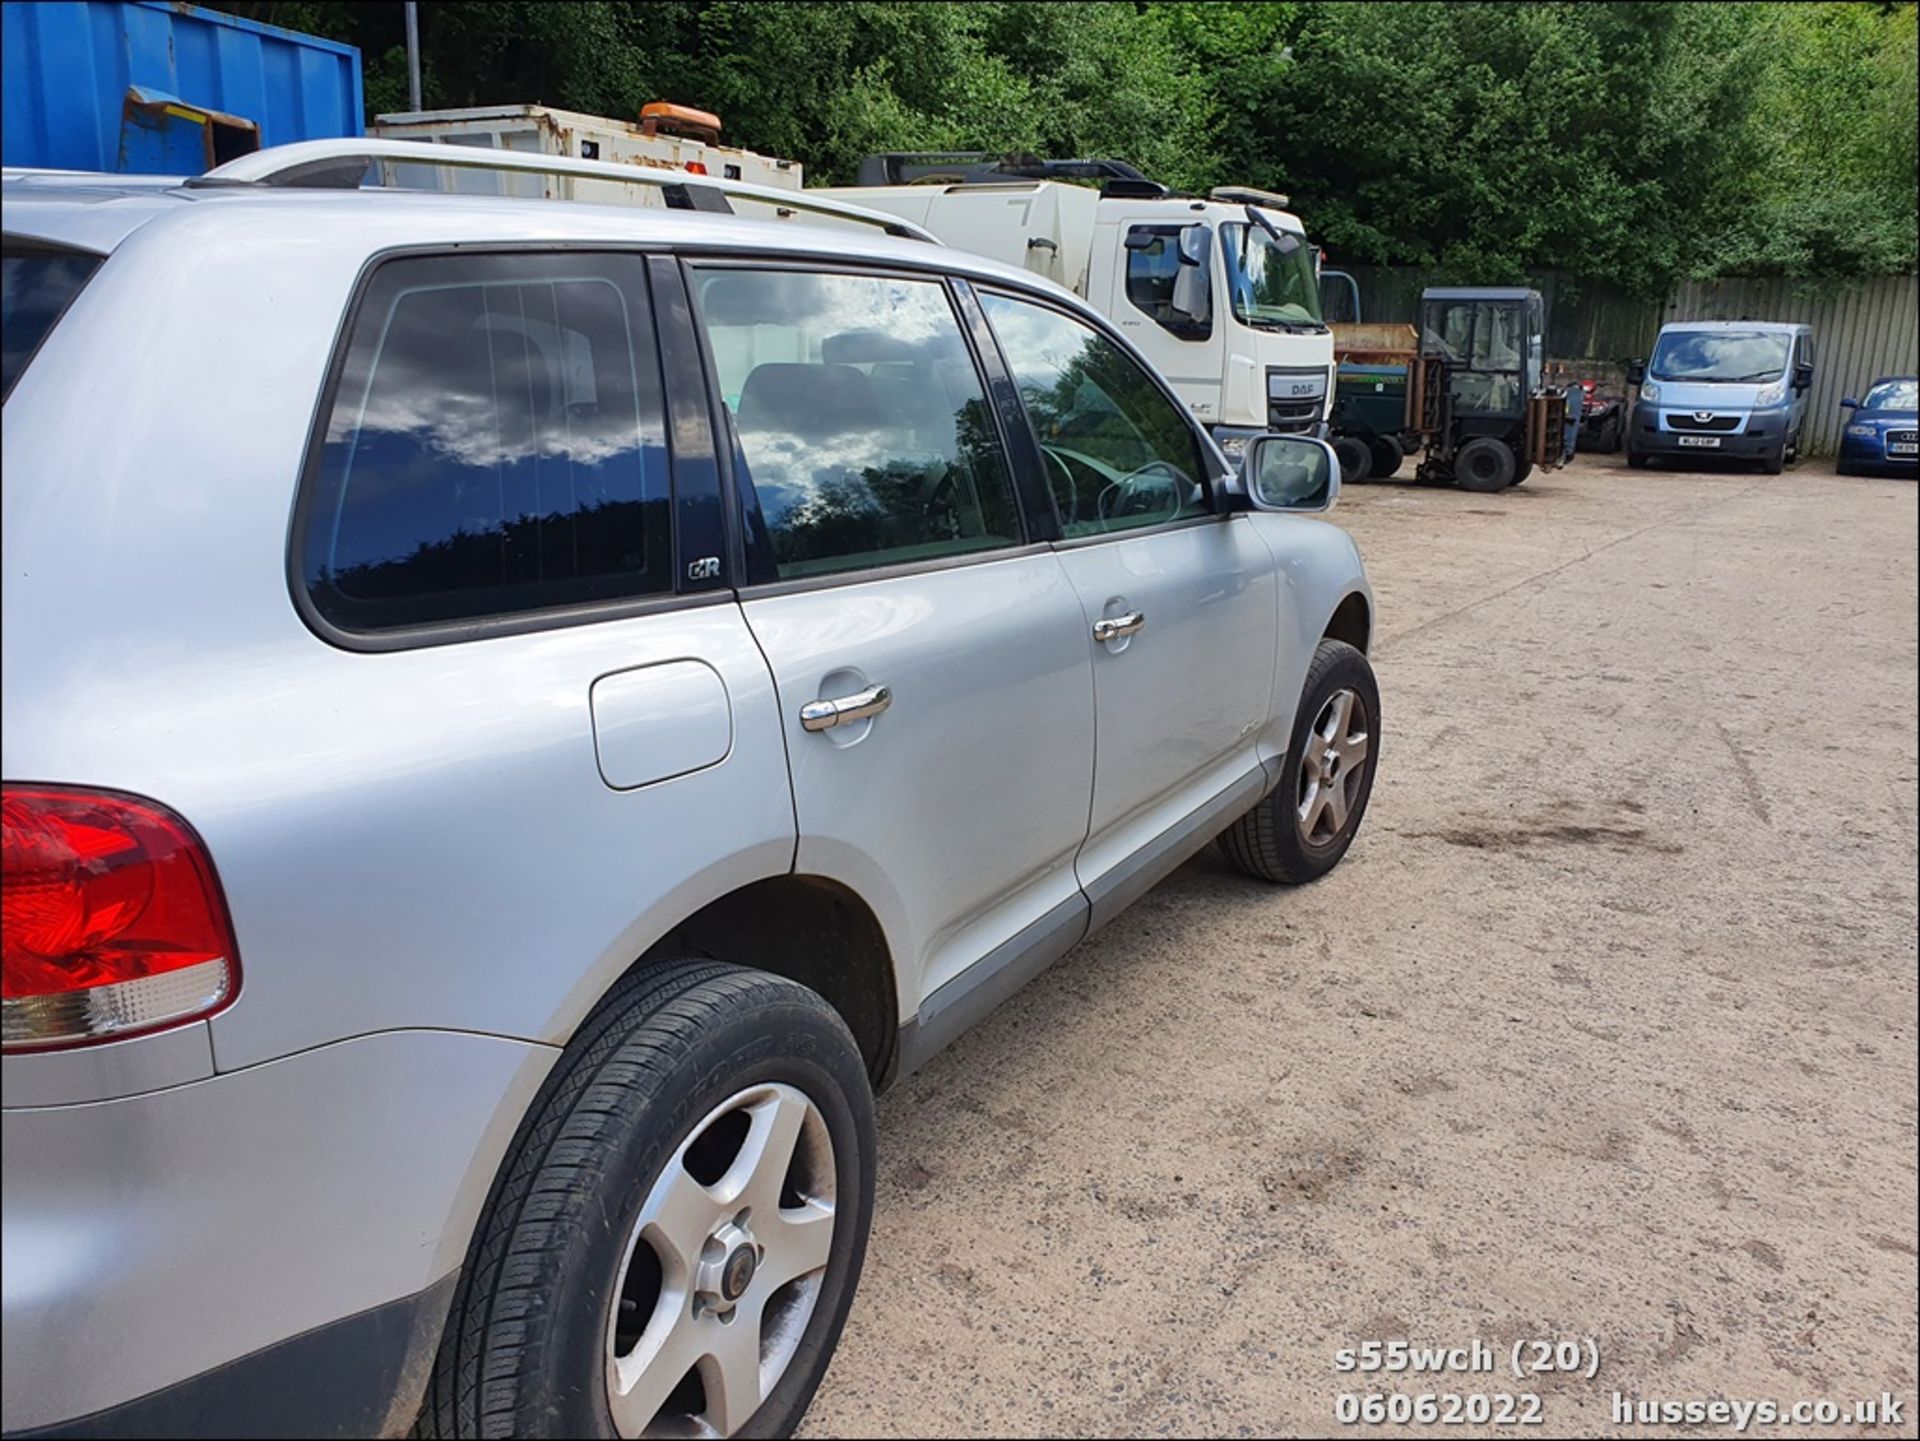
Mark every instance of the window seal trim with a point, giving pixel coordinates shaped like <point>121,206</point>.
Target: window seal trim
<point>456,632</point>
<point>1159,527</point>
<point>798,585</point>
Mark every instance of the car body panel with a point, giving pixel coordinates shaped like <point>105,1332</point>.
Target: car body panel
<point>182,1229</point>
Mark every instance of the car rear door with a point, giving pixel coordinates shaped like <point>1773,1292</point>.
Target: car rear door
<point>1179,604</point>
<point>934,683</point>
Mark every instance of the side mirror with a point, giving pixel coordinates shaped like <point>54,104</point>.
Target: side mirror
<point>1289,472</point>
<point>1802,377</point>
<point>1849,403</point>
<point>1636,372</point>
<point>1192,298</point>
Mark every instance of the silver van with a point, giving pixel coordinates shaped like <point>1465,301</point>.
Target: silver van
<point>1724,389</point>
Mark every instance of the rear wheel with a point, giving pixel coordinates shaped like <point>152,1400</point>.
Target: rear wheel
<point>674,1240</point>
<point>1301,829</point>
<point>1484,464</point>
<point>1386,456</point>
<point>1610,434</point>
<point>1356,459</point>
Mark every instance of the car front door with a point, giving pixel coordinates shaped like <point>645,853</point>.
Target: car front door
<point>1179,604</point>
<point>934,682</point>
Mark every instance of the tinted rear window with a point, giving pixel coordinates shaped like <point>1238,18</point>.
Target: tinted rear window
<point>36,287</point>
<point>495,444</point>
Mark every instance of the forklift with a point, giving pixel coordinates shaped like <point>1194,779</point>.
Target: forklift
<point>1477,393</point>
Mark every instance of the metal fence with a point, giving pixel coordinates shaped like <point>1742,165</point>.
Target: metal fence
<point>1862,328</point>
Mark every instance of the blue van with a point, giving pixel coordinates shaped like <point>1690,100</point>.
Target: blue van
<point>1733,389</point>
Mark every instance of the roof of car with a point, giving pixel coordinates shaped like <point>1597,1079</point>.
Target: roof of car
<point>98,212</point>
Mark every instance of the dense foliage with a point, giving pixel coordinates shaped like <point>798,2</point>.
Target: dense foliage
<point>1634,142</point>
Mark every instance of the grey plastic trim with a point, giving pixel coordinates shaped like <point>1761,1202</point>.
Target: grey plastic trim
<point>1160,857</point>
<point>953,1009</point>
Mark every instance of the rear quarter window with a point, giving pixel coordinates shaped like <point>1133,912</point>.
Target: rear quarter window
<point>494,445</point>
<point>37,284</point>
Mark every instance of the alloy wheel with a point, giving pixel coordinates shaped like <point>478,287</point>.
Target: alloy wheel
<point>1333,766</point>
<point>723,1268</point>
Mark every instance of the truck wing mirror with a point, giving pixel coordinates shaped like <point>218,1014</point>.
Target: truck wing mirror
<point>1192,298</point>
<point>1636,372</point>
<point>1802,377</point>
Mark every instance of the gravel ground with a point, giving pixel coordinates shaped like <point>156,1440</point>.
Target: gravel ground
<point>1604,1029</point>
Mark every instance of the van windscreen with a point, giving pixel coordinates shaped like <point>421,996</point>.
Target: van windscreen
<point>37,284</point>
<point>1719,355</point>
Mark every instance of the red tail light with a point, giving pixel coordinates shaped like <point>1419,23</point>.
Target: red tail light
<point>113,922</point>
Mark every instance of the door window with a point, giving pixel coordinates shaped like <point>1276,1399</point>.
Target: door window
<point>1119,453</point>
<point>1154,269</point>
<point>860,416</point>
<point>494,445</point>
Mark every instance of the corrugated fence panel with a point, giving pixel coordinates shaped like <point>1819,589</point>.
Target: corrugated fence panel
<point>1862,329</point>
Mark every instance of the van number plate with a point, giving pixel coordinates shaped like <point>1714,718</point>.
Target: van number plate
<point>1710,441</point>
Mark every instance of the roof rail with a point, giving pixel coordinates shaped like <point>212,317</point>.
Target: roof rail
<point>342,164</point>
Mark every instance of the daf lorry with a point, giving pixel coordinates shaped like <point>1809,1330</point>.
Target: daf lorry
<point>1222,293</point>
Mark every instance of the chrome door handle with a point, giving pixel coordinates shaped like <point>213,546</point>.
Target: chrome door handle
<point>1117,626</point>
<point>824,715</point>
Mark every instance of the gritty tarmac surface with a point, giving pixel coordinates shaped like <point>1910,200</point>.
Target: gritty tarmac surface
<point>1604,1029</point>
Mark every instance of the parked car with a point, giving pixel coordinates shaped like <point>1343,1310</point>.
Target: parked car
<point>519,718</point>
<point>1722,389</point>
<point>1880,437</point>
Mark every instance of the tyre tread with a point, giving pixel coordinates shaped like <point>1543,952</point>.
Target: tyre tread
<point>645,1025</point>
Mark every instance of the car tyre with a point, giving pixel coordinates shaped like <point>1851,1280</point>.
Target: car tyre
<point>574,1257</point>
<point>1636,459</point>
<point>1386,456</point>
<point>1775,461</point>
<point>1356,459</point>
<point>1300,830</point>
<point>1484,465</point>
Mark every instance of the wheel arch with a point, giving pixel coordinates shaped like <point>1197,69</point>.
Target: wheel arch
<point>1351,621</point>
<point>808,929</point>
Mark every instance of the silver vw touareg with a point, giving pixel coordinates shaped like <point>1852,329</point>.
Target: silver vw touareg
<point>519,718</point>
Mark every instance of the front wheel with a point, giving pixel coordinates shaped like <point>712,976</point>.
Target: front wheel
<point>674,1240</point>
<point>1302,828</point>
<point>1484,464</point>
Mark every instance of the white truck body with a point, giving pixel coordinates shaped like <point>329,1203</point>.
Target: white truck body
<point>539,130</point>
<point>1237,378</point>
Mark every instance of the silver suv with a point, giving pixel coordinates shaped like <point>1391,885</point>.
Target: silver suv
<point>520,718</point>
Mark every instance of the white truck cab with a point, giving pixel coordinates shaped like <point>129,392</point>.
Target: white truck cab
<point>1221,293</point>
